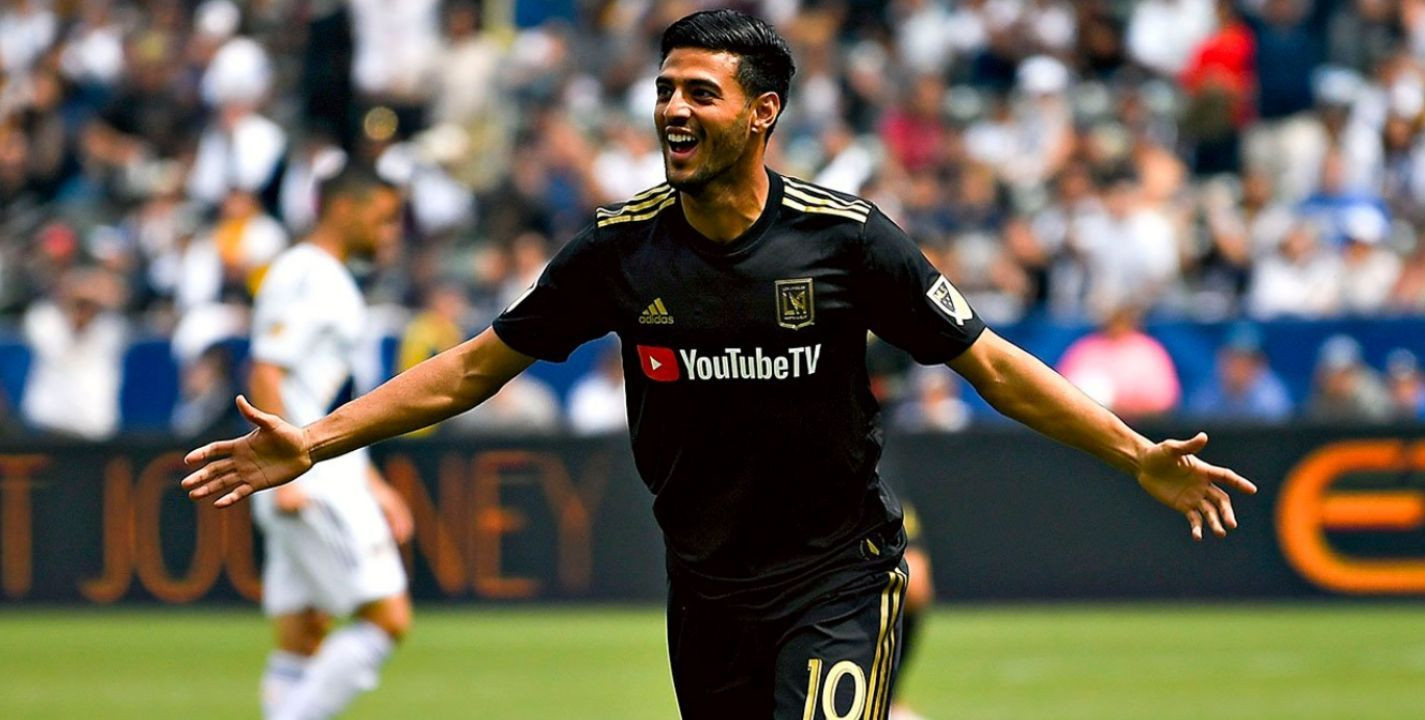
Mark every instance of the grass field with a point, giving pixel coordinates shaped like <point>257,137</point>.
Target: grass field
<point>1021,663</point>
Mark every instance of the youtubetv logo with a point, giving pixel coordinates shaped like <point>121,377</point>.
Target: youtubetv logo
<point>661,364</point>
<point>739,364</point>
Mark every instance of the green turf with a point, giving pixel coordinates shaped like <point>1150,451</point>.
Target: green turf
<point>1062,662</point>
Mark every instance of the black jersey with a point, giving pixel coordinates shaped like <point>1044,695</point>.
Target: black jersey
<point>748,402</point>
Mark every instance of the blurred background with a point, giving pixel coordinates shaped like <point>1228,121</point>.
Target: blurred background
<point>1205,213</point>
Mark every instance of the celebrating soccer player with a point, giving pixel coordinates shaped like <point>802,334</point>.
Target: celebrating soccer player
<point>743,299</point>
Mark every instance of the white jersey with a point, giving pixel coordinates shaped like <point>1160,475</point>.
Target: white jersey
<point>308,319</point>
<point>337,553</point>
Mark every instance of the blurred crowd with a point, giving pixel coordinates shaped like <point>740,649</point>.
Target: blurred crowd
<point>1095,161</point>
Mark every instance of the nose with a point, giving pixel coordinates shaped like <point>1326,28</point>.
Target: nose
<point>676,108</point>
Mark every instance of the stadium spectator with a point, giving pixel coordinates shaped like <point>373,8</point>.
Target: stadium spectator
<point>1130,250</point>
<point>1361,34</point>
<point>27,28</point>
<point>439,326</point>
<point>934,404</point>
<point>1244,387</point>
<point>955,117</point>
<point>227,261</point>
<point>913,131</point>
<point>1346,389</point>
<point>1123,368</point>
<point>1162,34</point>
<point>397,44</point>
<point>1302,279</point>
<point>1408,295</point>
<point>596,402</point>
<point>1369,270</point>
<point>1220,81</point>
<point>76,342</point>
<point>1406,385</point>
<point>205,396</point>
<point>524,406</point>
<point>240,149</point>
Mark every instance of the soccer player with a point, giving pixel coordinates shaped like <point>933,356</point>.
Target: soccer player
<point>331,536</point>
<point>743,299</point>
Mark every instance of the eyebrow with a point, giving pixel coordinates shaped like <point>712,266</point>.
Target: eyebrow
<point>694,82</point>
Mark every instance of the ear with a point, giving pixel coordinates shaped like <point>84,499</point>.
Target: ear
<point>765,110</point>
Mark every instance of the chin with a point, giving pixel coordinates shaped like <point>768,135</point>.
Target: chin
<point>685,182</point>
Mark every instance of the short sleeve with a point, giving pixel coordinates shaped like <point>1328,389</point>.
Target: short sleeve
<point>908,302</point>
<point>566,307</point>
<point>287,318</point>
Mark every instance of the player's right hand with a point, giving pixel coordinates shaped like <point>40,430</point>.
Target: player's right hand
<point>275,452</point>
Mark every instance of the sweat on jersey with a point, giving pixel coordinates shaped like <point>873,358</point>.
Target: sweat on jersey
<point>751,415</point>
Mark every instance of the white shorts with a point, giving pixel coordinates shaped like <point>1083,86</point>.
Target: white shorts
<point>336,555</point>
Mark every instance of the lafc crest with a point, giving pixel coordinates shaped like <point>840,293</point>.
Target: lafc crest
<point>796,306</point>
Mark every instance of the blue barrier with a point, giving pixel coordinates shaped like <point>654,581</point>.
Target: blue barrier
<point>150,384</point>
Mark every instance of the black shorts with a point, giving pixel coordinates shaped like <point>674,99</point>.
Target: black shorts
<point>834,660</point>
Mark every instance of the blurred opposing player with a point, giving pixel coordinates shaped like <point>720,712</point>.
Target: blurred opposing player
<point>919,594</point>
<point>743,299</point>
<point>331,536</point>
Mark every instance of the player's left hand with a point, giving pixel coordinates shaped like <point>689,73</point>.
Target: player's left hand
<point>1172,473</point>
<point>397,512</point>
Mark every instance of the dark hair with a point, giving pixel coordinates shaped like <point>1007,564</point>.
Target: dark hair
<point>764,60</point>
<point>353,181</point>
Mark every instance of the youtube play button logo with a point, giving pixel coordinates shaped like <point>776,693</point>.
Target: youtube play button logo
<point>659,363</point>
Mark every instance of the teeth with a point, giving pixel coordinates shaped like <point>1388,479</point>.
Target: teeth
<point>680,137</point>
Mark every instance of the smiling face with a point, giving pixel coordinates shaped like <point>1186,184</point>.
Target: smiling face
<point>708,126</point>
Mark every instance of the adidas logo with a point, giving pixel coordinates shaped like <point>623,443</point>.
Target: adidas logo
<point>655,314</point>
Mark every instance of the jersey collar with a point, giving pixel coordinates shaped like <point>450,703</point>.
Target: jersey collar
<point>744,243</point>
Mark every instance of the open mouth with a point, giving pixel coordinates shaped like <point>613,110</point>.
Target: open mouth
<point>681,143</point>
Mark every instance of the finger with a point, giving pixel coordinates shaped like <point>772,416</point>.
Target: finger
<point>212,450</point>
<point>1187,447</point>
<point>1224,505</point>
<point>257,417</point>
<point>1214,521</point>
<point>212,485</point>
<point>1226,476</point>
<point>1195,520</point>
<point>207,473</point>
<point>238,493</point>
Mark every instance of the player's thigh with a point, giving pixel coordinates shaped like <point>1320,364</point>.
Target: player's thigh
<point>287,587</point>
<point>392,614</point>
<point>349,555</point>
<point>721,666</point>
<point>839,661</point>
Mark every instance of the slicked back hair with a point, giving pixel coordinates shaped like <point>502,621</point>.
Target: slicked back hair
<point>353,181</point>
<point>764,60</point>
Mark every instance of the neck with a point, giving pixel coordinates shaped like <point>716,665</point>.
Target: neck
<point>723,210</point>
<point>328,241</point>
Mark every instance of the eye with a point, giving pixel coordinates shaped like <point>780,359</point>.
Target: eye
<point>665,92</point>
<point>703,94</point>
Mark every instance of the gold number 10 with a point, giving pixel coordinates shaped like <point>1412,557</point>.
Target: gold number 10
<point>828,694</point>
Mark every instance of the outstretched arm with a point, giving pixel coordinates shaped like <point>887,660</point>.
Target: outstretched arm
<point>276,452</point>
<point>1025,389</point>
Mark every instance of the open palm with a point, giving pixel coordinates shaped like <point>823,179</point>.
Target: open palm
<point>272,454</point>
<point>1173,474</point>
